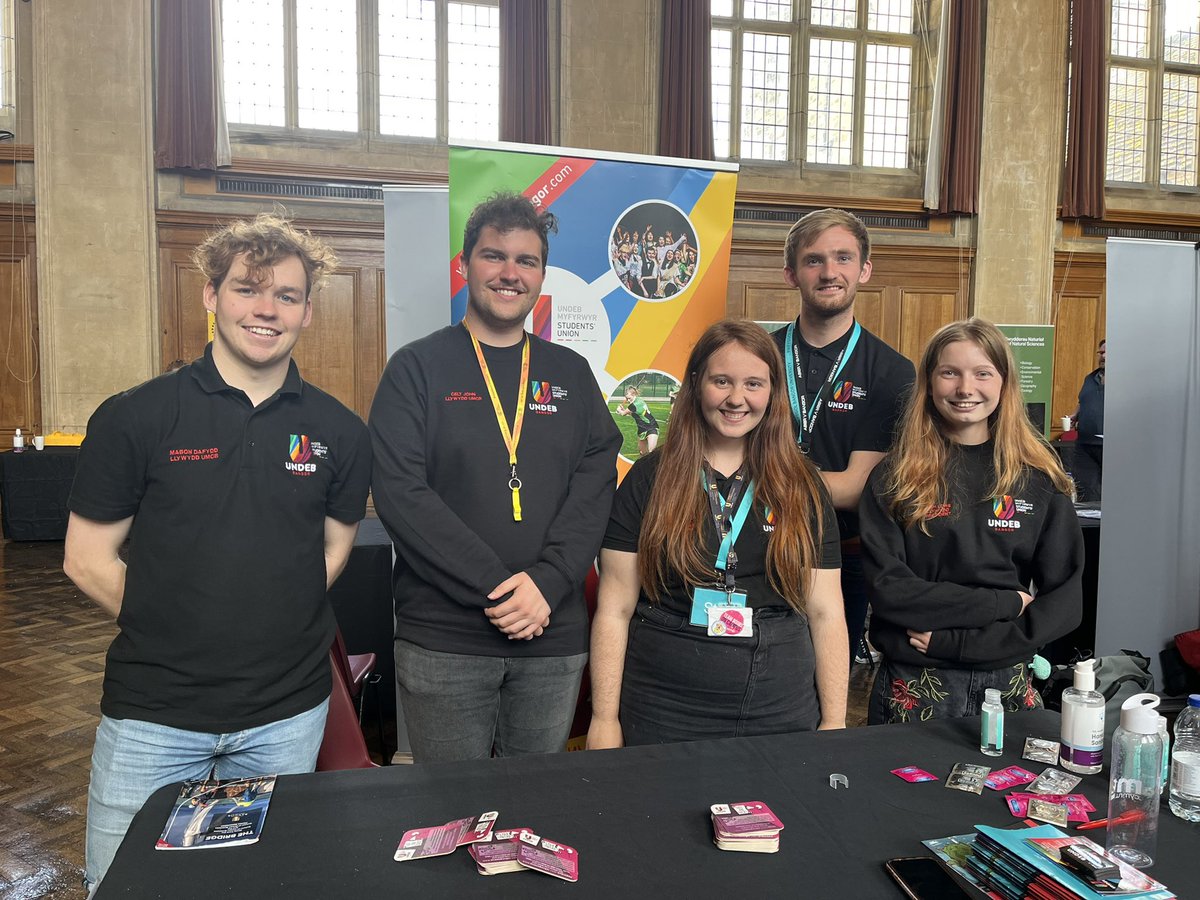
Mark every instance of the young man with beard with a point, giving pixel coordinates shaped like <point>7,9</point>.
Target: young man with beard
<point>494,476</point>
<point>240,488</point>
<point>846,386</point>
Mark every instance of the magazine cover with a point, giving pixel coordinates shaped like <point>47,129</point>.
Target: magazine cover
<point>217,814</point>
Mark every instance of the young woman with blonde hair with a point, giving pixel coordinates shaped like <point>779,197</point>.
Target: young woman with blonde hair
<point>972,551</point>
<point>720,610</point>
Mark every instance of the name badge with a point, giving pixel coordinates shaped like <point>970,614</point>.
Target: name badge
<point>730,621</point>
<point>704,599</point>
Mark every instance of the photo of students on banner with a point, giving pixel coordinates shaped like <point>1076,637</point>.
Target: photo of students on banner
<point>641,407</point>
<point>653,250</point>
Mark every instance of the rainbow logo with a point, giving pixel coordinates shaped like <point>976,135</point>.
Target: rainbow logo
<point>842,391</point>
<point>770,515</point>
<point>543,317</point>
<point>1002,507</point>
<point>540,391</point>
<point>299,448</point>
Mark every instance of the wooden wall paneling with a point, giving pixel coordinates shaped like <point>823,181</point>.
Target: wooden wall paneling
<point>326,350</point>
<point>20,361</point>
<point>921,314</point>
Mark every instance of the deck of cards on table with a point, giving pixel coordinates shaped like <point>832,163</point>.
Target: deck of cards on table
<point>748,826</point>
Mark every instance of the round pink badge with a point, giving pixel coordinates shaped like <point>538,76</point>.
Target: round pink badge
<point>734,621</point>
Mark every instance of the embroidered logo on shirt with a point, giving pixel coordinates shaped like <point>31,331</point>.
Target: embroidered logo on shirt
<point>192,454</point>
<point>769,523</point>
<point>455,396</point>
<point>844,392</point>
<point>1005,510</point>
<point>301,450</point>
<point>544,396</point>
<point>938,511</point>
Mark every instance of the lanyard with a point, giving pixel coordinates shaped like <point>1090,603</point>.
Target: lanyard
<point>806,418</point>
<point>510,439</point>
<point>727,528</point>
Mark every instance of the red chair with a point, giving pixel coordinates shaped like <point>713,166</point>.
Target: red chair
<point>343,746</point>
<point>358,669</point>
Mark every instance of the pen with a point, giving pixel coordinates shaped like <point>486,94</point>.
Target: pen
<point>1122,819</point>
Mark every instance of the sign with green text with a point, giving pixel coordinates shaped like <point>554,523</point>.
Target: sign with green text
<point>1033,348</point>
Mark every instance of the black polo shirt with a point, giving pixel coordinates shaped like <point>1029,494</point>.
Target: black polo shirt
<point>859,410</point>
<point>224,623</point>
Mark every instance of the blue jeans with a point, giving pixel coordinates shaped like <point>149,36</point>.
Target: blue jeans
<point>458,706</point>
<point>132,759</point>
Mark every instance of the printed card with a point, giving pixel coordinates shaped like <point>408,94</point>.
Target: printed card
<point>747,818</point>
<point>440,840</point>
<point>1054,781</point>
<point>1013,776</point>
<point>913,774</point>
<point>547,856</point>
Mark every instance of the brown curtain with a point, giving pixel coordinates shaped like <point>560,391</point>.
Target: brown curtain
<point>1087,124</point>
<point>685,81</point>
<point>959,182</point>
<point>524,72</point>
<point>186,95</point>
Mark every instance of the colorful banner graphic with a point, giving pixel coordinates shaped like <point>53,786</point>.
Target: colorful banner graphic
<point>1033,347</point>
<point>639,267</point>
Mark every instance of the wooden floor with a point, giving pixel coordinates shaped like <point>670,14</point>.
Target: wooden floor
<point>52,646</point>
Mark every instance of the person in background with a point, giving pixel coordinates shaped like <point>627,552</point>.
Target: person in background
<point>1088,422</point>
<point>726,516</point>
<point>972,551</point>
<point>643,419</point>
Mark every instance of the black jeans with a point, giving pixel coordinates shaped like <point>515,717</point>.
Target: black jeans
<point>904,693</point>
<point>680,684</point>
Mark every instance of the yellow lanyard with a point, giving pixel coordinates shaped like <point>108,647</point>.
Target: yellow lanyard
<point>510,439</point>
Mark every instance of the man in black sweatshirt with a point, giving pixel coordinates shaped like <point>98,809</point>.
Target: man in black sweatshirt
<point>495,471</point>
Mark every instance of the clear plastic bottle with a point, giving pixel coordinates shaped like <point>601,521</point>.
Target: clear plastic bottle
<point>1082,738</point>
<point>18,441</point>
<point>991,723</point>
<point>1185,763</point>
<point>1135,785</point>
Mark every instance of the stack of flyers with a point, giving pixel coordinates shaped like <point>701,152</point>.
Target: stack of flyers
<point>440,840</point>
<point>748,826</point>
<point>1077,805</point>
<point>546,856</point>
<point>497,853</point>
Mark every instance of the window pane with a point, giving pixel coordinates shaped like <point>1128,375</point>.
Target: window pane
<point>764,107</point>
<point>408,68</point>
<point>890,15</point>
<point>473,63</point>
<point>830,102</point>
<point>723,8</point>
<point>327,64</point>
<point>1181,29</point>
<point>771,10</point>
<point>1180,123</point>
<point>885,119</point>
<point>6,57</point>
<point>1131,28</point>
<point>835,13</point>
<point>252,47</point>
<point>1126,125</point>
<point>722,90</point>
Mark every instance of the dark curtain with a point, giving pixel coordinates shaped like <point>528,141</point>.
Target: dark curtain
<point>1087,124</point>
<point>524,72</point>
<point>959,182</point>
<point>685,81</point>
<point>185,127</point>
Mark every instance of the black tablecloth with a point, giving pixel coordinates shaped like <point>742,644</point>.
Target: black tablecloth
<point>34,488</point>
<point>638,817</point>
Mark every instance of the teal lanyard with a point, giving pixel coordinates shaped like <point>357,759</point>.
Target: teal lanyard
<point>727,528</point>
<point>807,419</point>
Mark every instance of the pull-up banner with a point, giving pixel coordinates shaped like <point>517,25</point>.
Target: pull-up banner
<point>639,267</point>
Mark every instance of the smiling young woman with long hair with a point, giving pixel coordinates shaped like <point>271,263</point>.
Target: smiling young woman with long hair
<point>972,551</point>
<point>729,466</point>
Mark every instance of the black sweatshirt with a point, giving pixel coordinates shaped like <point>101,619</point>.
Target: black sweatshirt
<point>960,582</point>
<point>440,486</point>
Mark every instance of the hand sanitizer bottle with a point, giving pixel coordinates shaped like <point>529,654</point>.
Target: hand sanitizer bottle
<point>1082,744</point>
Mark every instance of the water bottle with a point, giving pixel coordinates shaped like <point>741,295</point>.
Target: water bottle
<point>1185,763</point>
<point>991,723</point>
<point>1135,785</point>
<point>18,441</point>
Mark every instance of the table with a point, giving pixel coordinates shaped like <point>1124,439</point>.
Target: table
<point>638,817</point>
<point>34,488</point>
